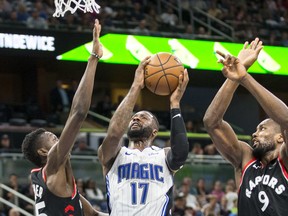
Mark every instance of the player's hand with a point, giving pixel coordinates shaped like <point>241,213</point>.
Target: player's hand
<point>232,68</point>
<point>97,46</point>
<point>179,91</point>
<point>139,73</point>
<point>249,54</point>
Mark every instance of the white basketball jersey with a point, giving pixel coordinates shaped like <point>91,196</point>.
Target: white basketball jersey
<point>140,183</point>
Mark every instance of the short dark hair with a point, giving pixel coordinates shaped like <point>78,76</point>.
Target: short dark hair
<point>30,146</point>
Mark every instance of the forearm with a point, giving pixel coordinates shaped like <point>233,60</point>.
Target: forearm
<point>216,110</point>
<point>272,105</point>
<point>120,120</point>
<point>82,98</point>
<point>179,142</point>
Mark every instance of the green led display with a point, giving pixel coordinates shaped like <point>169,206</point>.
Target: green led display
<point>131,49</point>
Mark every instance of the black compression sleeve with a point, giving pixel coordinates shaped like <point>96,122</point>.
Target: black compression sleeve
<point>179,141</point>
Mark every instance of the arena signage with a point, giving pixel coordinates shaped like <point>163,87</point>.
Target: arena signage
<point>39,43</point>
<point>27,42</point>
<point>197,54</point>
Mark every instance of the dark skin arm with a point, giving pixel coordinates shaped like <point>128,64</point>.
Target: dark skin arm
<point>273,106</point>
<point>238,153</point>
<point>89,210</point>
<point>111,145</point>
<point>58,168</point>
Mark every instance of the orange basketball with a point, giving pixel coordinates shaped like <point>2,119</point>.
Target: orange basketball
<point>162,73</point>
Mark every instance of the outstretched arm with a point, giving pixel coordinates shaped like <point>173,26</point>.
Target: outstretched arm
<point>120,120</point>
<point>177,154</point>
<point>79,109</point>
<point>219,130</point>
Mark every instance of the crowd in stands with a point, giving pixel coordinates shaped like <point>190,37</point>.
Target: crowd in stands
<point>265,19</point>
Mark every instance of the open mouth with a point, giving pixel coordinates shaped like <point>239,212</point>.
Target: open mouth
<point>255,143</point>
<point>135,125</point>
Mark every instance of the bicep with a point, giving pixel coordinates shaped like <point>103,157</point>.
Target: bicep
<point>109,149</point>
<point>227,143</point>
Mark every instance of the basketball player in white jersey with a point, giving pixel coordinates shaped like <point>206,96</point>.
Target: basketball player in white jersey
<point>139,179</point>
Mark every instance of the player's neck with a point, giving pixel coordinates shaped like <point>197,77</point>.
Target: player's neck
<point>140,145</point>
<point>269,156</point>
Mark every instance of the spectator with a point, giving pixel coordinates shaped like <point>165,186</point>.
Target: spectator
<point>141,28</point>
<point>59,100</point>
<point>137,14</point>
<point>169,17</point>
<point>230,196</point>
<point>104,106</point>
<point>22,14</point>
<point>210,149</point>
<point>5,145</point>
<point>5,10</point>
<point>94,194</point>
<point>197,149</point>
<point>27,190</point>
<point>13,184</point>
<point>92,191</point>
<point>190,126</point>
<point>179,205</point>
<point>218,190</point>
<point>152,18</point>
<point>188,180</point>
<point>81,147</point>
<point>284,40</point>
<point>36,21</point>
<point>201,191</point>
<point>191,200</point>
<point>81,187</point>
<point>214,11</point>
<point>212,207</point>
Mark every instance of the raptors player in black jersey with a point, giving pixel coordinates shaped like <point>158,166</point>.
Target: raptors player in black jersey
<point>260,169</point>
<point>53,182</point>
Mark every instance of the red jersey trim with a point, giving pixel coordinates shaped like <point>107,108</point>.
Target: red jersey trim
<point>44,174</point>
<point>283,168</point>
<point>244,170</point>
<point>75,189</point>
<point>36,170</point>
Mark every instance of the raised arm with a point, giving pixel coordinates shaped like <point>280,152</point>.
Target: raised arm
<point>221,133</point>
<point>177,154</point>
<point>79,109</point>
<point>120,120</point>
<point>273,106</point>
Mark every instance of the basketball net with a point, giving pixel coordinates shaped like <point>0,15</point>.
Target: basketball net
<point>72,5</point>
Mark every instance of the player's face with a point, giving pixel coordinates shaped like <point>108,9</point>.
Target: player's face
<point>140,126</point>
<point>263,139</point>
<point>49,139</point>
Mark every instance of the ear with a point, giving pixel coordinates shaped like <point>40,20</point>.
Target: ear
<point>279,138</point>
<point>154,133</point>
<point>42,152</point>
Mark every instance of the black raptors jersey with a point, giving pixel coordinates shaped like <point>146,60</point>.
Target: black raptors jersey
<point>48,204</point>
<point>263,190</point>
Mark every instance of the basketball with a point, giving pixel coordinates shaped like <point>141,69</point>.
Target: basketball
<point>162,73</point>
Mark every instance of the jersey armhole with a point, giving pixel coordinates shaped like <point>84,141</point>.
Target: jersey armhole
<point>283,168</point>
<point>244,170</point>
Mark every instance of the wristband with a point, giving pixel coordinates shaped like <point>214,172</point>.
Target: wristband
<point>95,55</point>
<point>175,112</point>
